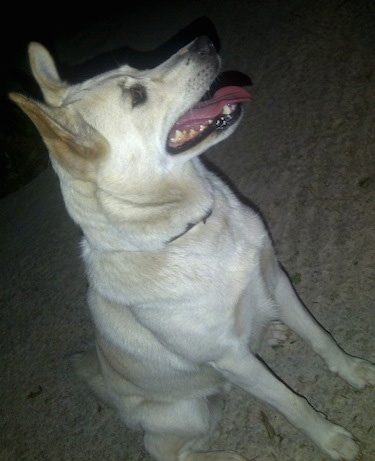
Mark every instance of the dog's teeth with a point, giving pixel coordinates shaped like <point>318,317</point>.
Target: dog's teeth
<point>227,109</point>
<point>177,136</point>
<point>185,135</point>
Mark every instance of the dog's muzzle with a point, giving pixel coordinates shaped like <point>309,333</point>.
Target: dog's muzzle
<point>218,109</point>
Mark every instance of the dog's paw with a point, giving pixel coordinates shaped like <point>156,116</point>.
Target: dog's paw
<point>339,444</point>
<point>277,334</point>
<point>359,373</point>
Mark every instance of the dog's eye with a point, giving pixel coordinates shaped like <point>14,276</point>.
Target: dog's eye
<point>137,94</point>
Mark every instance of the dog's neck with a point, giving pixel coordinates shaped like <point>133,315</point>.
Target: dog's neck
<point>191,225</point>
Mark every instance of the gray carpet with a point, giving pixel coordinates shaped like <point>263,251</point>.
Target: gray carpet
<point>304,154</point>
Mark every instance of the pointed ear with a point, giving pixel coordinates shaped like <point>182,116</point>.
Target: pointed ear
<point>78,152</point>
<point>44,70</point>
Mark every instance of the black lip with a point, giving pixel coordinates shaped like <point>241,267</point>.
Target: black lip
<point>221,123</point>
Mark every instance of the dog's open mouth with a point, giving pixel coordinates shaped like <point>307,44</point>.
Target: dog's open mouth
<point>219,108</point>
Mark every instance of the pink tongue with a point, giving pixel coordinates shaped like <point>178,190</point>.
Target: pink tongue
<point>210,109</point>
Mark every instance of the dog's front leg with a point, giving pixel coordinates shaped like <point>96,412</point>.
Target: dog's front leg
<point>356,371</point>
<point>249,373</point>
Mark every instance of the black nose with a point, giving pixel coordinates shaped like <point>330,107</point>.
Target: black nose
<point>204,47</point>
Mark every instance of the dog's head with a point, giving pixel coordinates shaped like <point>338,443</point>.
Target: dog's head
<point>129,133</point>
<point>180,107</point>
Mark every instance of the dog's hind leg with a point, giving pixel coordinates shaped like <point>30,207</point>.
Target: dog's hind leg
<point>179,431</point>
<point>170,447</point>
<point>86,365</point>
<point>357,372</point>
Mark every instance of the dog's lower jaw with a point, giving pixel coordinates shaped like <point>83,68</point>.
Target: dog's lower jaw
<point>179,142</point>
<point>214,137</point>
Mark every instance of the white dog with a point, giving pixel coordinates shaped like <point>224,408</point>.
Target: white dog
<point>183,276</point>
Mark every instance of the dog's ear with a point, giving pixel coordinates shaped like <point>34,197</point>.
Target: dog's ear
<point>44,70</point>
<point>77,152</point>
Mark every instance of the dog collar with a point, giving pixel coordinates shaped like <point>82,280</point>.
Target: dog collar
<point>191,225</point>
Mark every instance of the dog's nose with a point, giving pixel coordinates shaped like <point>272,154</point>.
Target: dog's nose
<point>204,47</point>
